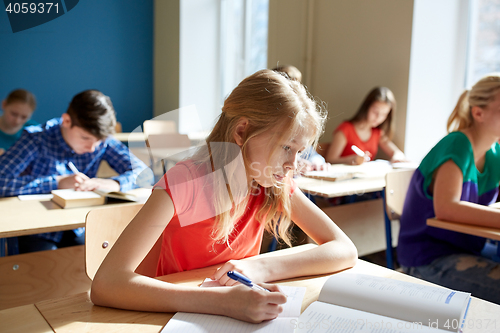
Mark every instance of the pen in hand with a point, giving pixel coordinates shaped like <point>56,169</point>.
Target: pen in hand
<point>73,168</point>
<point>359,152</point>
<point>244,280</point>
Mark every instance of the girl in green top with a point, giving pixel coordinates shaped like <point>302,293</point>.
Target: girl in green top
<point>457,181</point>
<point>17,109</point>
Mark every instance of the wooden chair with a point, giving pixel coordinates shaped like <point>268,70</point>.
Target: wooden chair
<point>396,186</point>
<point>158,127</point>
<point>37,276</point>
<point>103,226</point>
<point>158,146</point>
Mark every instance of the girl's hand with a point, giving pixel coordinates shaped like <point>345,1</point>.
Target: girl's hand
<point>254,306</point>
<point>357,160</point>
<point>253,269</point>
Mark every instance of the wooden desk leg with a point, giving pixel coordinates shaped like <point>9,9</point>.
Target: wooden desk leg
<point>388,235</point>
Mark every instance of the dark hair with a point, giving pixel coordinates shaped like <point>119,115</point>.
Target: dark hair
<point>23,96</point>
<point>94,112</point>
<point>378,94</point>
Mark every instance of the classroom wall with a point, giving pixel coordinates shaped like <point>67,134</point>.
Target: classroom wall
<point>187,63</point>
<point>345,48</point>
<point>105,45</point>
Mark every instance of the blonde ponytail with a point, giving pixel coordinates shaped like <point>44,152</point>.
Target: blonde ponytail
<point>461,117</point>
<point>481,94</point>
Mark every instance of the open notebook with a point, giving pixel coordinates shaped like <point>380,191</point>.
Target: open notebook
<point>205,323</point>
<point>363,303</point>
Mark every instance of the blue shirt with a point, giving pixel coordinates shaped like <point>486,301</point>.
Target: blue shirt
<point>31,165</point>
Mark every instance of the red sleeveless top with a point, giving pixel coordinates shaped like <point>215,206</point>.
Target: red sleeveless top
<point>187,240</point>
<point>353,139</point>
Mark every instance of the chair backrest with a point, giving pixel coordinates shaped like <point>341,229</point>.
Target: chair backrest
<point>397,183</point>
<point>168,140</point>
<point>103,226</point>
<point>158,127</point>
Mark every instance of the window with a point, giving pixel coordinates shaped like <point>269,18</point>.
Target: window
<point>484,40</point>
<point>243,40</point>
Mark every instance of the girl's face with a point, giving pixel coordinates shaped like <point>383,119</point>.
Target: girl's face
<point>492,115</point>
<point>16,114</point>
<point>377,113</point>
<point>269,164</point>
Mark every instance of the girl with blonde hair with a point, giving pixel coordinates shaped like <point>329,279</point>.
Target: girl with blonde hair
<point>456,181</point>
<point>212,209</point>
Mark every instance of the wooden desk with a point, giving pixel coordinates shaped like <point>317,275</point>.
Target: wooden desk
<point>475,230</point>
<point>196,138</point>
<point>329,189</point>
<point>486,232</point>
<point>25,318</point>
<point>77,314</point>
<point>37,216</point>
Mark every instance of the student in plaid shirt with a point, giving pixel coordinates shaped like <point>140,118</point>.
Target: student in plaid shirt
<point>38,162</point>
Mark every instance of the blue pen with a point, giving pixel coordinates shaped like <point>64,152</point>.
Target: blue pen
<point>244,280</point>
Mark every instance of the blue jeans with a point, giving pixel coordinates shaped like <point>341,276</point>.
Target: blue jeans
<point>464,272</point>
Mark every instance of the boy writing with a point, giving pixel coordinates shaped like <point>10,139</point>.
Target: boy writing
<point>39,161</point>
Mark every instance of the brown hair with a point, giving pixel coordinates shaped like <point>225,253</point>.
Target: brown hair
<point>268,101</point>
<point>291,71</point>
<point>481,94</point>
<point>23,96</point>
<point>94,112</point>
<point>378,94</point>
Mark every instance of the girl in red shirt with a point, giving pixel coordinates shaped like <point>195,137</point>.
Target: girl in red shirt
<point>371,127</point>
<point>212,210</point>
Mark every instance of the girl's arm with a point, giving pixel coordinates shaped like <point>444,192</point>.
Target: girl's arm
<point>447,190</point>
<point>335,252</point>
<point>394,153</point>
<point>339,141</point>
<point>117,285</point>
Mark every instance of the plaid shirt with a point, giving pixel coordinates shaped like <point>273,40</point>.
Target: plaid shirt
<point>31,165</point>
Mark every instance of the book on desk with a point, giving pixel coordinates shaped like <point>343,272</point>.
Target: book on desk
<point>350,303</point>
<point>69,198</point>
<point>373,169</point>
<point>365,303</point>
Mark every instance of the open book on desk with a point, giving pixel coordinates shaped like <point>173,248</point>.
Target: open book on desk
<point>205,323</point>
<point>70,198</point>
<point>373,169</point>
<point>363,303</point>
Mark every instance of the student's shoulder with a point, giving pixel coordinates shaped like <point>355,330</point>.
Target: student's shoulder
<point>49,126</point>
<point>455,146</point>
<point>495,152</point>
<point>346,125</point>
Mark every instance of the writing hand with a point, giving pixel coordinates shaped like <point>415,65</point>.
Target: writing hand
<point>253,269</point>
<point>254,306</point>
<point>98,183</point>
<point>72,181</point>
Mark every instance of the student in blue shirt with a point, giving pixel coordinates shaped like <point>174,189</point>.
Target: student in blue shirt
<point>38,161</point>
<point>17,108</point>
